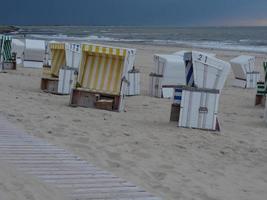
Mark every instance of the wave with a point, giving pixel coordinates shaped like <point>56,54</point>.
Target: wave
<point>241,45</point>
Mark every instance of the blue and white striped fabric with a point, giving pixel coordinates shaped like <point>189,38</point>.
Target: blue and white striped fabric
<point>177,96</point>
<point>189,74</point>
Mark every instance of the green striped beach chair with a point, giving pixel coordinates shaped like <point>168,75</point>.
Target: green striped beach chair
<point>262,88</point>
<point>8,59</point>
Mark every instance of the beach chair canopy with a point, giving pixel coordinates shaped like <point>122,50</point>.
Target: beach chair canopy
<point>171,67</point>
<point>242,65</point>
<point>5,45</point>
<point>265,76</point>
<point>208,71</point>
<point>34,50</point>
<point>58,57</point>
<point>103,68</point>
<point>181,53</point>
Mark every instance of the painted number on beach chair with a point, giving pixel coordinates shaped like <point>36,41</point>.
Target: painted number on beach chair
<point>202,58</point>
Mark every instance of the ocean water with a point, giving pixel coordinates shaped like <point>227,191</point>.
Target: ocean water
<point>233,38</point>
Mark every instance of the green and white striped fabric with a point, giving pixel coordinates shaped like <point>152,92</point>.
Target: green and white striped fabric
<point>262,86</point>
<point>261,89</point>
<point>1,49</point>
<point>6,53</point>
<point>265,74</point>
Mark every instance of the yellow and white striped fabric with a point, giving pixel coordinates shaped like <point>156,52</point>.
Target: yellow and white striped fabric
<point>98,49</point>
<point>58,57</point>
<point>102,68</point>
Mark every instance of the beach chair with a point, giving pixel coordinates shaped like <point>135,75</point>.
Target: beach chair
<point>8,59</point>
<point>58,78</point>
<point>34,53</point>
<point>102,79</point>
<point>262,88</point>
<point>244,70</point>
<point>133,87</point>
<point>196,104</point>
<point>181,53</point>
<point>18,47</point>
<point>169,70</point>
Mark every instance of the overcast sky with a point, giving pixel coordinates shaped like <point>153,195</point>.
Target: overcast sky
<point>134,12</point>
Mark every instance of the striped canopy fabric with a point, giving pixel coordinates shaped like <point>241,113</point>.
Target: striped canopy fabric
<point>265,74</point>
<point>102,68</point>
<point>6,47</point>
<point>177,96</point>
<point>58,58</point>
<point>262,86</point>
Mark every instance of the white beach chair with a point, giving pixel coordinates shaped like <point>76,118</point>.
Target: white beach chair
<point>169,70</point>
<point>244,70</point>
<point>197,102</point>
<point>34,53</point>
<point>133,87</point>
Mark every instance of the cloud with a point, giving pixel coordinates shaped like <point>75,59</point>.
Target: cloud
<point>132,12</point>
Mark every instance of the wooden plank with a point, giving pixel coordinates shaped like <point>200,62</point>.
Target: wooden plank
<point>85,181</point>
<point>94,184</point>
<point>69,173</point>
<point>109,195</point>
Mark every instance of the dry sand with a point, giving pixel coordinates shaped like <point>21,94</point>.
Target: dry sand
<point>141,145</point>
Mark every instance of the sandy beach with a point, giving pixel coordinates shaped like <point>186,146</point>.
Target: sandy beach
<point>141,145</point>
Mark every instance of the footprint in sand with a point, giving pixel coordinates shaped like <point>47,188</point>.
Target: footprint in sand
<point>82,140</point>
<point>168,167</point>
<point>113,164</point>
<point>159,175</point>
<point>29,196</point>
<point>113,155</point>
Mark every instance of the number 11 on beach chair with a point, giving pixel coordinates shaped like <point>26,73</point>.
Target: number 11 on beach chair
<point>102,78</point>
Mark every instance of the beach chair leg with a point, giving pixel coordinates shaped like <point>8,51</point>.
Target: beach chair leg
<point>260,100</point>
<point>218,127</point>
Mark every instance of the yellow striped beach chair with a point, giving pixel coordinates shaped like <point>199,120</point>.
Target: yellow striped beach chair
<point>58,77</point>
<point>102,74</point>
<point>58,59</point>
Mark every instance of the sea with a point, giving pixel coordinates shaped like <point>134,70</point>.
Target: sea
<point>227,38</point>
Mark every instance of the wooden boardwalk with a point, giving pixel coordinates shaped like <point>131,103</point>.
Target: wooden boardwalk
<point>57,167</point>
